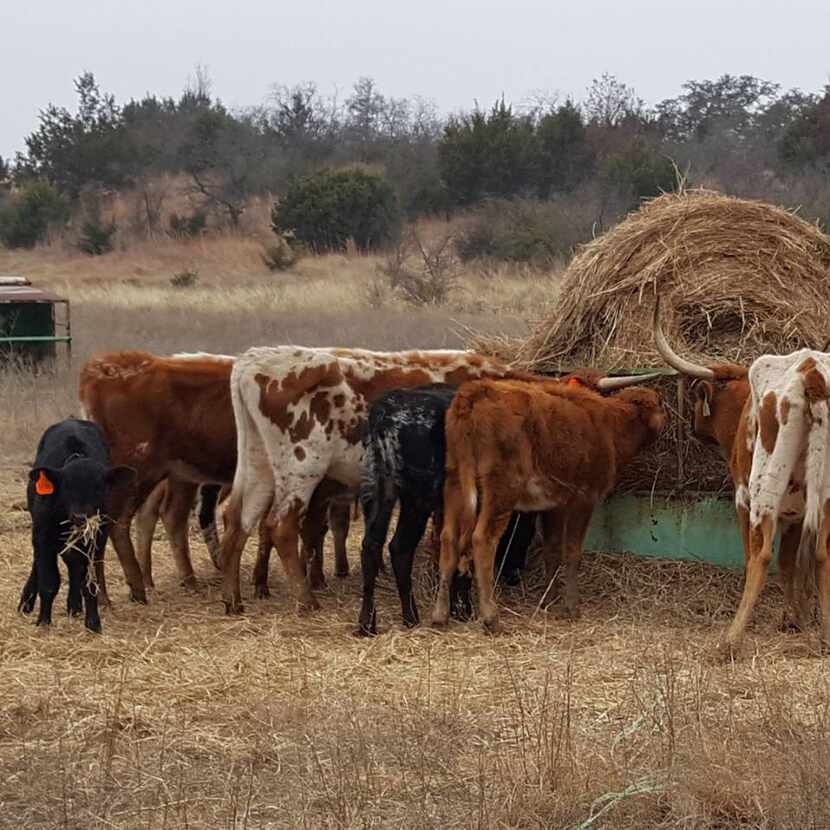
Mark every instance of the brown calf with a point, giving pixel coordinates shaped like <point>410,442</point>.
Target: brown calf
<point>539,446</point>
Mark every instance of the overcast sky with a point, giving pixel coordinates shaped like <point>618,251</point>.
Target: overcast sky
<point>453,51</point>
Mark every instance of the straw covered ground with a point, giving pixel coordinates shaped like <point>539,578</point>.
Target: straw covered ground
<point>178,716</point>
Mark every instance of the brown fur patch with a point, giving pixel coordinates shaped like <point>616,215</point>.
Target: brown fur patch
<point>785,411</point>
<point>815,387</point>
<point>299,452</point>
<point>320,407</point>
<point>275,398</point>
<point>768,421</point>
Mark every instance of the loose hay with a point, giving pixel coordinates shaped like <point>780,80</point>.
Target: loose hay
<point>179,716</point>
<point>737,278</point>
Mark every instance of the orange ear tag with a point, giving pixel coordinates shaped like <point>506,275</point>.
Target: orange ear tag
<point>574,382</point>
<point>44,487</point>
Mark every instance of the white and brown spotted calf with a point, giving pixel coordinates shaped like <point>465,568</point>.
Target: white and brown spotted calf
<point>299,417</point>
<point>783,477</point>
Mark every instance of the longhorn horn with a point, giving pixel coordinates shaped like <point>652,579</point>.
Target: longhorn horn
<point>673,359</point>
<point>609,384</point>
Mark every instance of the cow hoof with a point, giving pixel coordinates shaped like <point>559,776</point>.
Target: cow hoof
<point>26,606</point>
<point>44,622</point>
<point>439,621</point>
<point>74,612</point>
<point>94,627</point>
<point>492,626</point>
<point>790,626</point>
<point>139,597</point>
<point>364,631</point>
<point>318,584</point>
<point>411,622</point>
<point>726,651</point>
<point>234,610</point>
<point>463,613</point>
<point>262,592</point>
<point>341,574</point>
<point>308,606</point>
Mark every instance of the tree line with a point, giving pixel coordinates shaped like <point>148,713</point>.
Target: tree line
<point>743,134</point>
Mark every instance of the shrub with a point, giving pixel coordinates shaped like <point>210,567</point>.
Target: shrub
<point>328,208</point>
<point>638,172</point>
<point>279,255</point>
<point>420,273</point>
<point>184,279</point>
<point>96,237</point>
<point>187,227</point>
<point>26,218</point>
<point>522,230</point>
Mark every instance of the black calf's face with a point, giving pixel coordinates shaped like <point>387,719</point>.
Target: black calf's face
<point>79,489</point>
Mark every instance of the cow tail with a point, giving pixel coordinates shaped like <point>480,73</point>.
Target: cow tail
<point>375,472</point>
<point>814,473</point>
<point>462,466</point>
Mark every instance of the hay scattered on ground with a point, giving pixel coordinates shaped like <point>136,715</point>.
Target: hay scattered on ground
<point>737,278</point>
<point>178,716</point>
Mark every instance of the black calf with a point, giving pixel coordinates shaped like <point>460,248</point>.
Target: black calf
<point>405,446</point>
<point>69,482</point>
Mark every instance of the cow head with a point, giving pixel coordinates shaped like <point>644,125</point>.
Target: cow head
<point>79,489</point>
<point>649,407</point>
<point>720,391</point>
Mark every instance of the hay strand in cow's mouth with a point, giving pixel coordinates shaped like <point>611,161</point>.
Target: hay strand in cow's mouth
<point>81,538</point>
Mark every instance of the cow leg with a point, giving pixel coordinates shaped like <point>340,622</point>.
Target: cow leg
<point>792,618</point>
<point>553,529</point>
<point>575,528</point>
<point>339,517</point>
<point>286,533</point>
<point>448,560</point>
<point>823,578</point>
<point>48,585</point>
<point>175,515</point>
<point>313,532</point>
<point>146,519</point>
<point>29,592</point>
<point>208,500</point>
<point>91,619</point>
<point>259,577</point>
<point>101,585</point>
<point>77,575</point>
<point>489,528</point>
<point>760,555</point>
<point>461,603</point>
<point>378,515</point>
<point>125,508</point>
<point>511,554</point>
<point>412,522</point>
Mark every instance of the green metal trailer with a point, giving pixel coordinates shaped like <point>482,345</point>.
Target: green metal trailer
<point>33,323</point>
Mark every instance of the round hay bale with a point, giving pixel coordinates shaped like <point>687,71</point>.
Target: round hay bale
<point>737,278</point>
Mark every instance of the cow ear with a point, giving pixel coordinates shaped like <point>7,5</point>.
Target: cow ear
<point>117,476</point>
<point>45,479</point>
<point>704,391</point>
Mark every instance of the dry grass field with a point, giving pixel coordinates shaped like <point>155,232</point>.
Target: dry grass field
<point>180,717</point>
